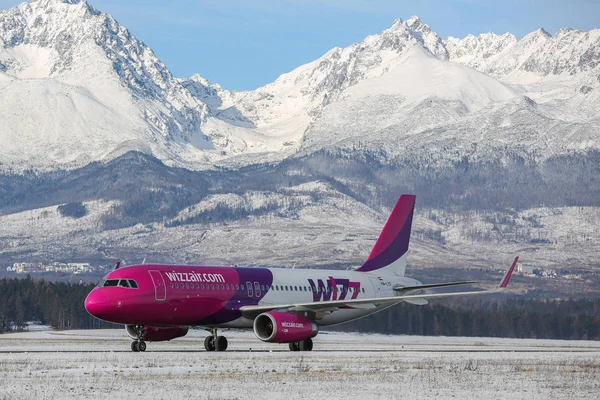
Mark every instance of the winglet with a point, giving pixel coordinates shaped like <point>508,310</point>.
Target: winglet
<point>504,282</point>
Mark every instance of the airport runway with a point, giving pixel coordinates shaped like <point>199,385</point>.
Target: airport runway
<point>353,350</point>
<point>99,365</point>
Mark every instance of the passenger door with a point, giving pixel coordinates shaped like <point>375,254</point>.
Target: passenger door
<point>160,289</point>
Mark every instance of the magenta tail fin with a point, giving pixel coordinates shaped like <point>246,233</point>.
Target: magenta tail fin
<point>389,252</point>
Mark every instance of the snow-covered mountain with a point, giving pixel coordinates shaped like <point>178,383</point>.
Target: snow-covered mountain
<point>76,86</point>
<point>411,93</point>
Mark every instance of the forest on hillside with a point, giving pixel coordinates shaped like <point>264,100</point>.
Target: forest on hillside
<point>148,191</point>
<point>60,305</point>
<point>57,304</point>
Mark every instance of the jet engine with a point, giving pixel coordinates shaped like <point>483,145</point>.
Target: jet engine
<point>157,334</point>
<point>280,327</point>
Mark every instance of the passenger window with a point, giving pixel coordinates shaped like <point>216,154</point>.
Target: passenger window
<point>171,285</point>
<point>202,286</point>
<point>212,286</point>
<point>241,287</point>
<point>187,285</point>
<point>237,287</point>
<point>177,286</point>
<point>262,287</point>
<point>197,286</point>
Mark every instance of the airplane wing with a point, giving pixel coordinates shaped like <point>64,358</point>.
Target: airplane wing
<point>431,286</point>
<point>322,307</point>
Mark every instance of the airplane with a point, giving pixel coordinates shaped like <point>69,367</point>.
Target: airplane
<point>159,302</point>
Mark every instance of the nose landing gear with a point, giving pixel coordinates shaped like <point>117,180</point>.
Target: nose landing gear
<point>215,342</point>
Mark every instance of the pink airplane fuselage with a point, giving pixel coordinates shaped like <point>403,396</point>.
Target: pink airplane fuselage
<point>177,295</point>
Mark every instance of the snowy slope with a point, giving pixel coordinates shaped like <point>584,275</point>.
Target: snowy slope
<point>76,87</point>
<point>544,67</point>
<point>404,62</point>
<point>407,91</point>
<point>310,225</point>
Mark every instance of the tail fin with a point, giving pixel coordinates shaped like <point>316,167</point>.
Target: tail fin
<point>390,250</point>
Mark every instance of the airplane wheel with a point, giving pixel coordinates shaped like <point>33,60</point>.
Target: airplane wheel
<point>209,343</point>
<point>221,343</point>
<point>134,346</point>
<point>305,345</point>
<point>141,345</point>
<point>294,346</point>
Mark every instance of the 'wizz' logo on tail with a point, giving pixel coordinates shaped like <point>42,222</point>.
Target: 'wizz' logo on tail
<point>328,290</point>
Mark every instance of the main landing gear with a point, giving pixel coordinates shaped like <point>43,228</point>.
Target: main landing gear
<point>139,344</point>
<point>214,342</point>
<point>303,345</point>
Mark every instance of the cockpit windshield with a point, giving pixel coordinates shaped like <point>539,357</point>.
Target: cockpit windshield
<point>126,283</point>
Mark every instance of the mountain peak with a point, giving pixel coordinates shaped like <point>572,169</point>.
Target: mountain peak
<point>413,22</point>
<point>544,32</point>
<point>200,79</point>
<point>62,4</point>
<point>47,2</point>
<point>539,33</point>
<point>397,22</point>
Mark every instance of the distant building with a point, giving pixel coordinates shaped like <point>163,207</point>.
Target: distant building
<point>525,269</point>
<point>25,268</point>
<point>68,268</point>
<point>79,268</point>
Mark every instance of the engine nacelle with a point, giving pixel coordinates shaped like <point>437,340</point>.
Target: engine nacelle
<point>156,333</point>
<point>280,327</point>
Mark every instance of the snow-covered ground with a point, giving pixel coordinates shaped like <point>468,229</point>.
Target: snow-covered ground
<point>97,364</point>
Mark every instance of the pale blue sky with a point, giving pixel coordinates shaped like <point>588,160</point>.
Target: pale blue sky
<point>243,44</point>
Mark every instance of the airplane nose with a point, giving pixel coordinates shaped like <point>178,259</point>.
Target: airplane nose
<point>96,303</point>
